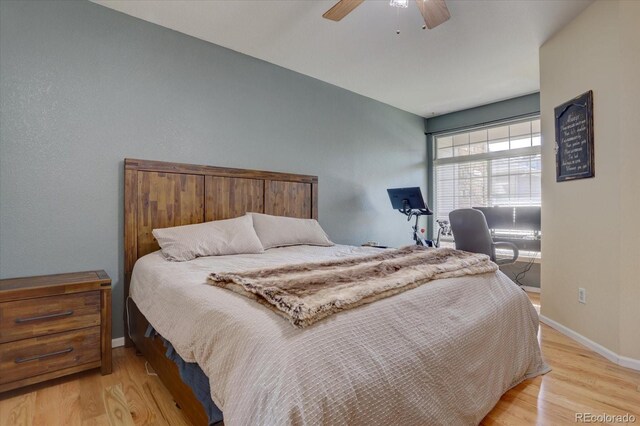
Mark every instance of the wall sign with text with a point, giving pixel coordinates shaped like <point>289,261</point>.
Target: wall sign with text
<point>574,138</point>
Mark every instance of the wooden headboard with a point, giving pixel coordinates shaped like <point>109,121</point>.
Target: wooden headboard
<point>159,194</point>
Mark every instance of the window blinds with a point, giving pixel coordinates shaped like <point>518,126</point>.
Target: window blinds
<point>488,167</point>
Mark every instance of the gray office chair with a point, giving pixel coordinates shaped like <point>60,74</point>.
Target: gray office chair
<point>471,233</point>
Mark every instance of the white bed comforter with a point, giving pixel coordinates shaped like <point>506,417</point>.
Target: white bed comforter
<point>440,354</point>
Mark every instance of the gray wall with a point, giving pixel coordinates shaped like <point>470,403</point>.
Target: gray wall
<point>530,278</point>
<point>485,114</point>
<point>82,87</point>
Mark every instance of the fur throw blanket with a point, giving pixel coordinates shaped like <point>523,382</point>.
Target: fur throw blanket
<point>308,292</point>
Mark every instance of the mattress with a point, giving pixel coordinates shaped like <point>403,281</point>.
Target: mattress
<point>442,353</point>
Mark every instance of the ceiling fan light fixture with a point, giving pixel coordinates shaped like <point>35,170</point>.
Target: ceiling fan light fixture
<point>434,12</point>
<point>399,3</point>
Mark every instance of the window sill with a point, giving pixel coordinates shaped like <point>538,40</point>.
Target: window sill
<point>525,256</point>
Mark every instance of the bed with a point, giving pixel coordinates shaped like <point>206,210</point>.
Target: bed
<point>442,353</point>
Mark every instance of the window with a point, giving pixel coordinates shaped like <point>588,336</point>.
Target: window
<point>488,167</point>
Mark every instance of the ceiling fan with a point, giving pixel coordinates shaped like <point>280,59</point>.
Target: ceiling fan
<point>434,12</point>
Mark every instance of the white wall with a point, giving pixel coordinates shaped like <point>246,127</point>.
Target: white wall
<point>591,226</point>
<point>630,180</point>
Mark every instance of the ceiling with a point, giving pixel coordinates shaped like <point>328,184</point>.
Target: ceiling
<point>487,51</point>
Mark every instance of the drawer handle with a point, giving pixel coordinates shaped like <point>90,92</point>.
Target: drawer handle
<point>44,317</point>
<point>36,357</point>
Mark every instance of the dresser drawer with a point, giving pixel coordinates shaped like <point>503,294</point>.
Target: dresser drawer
<point>23,319</point>
<point>40,355</point>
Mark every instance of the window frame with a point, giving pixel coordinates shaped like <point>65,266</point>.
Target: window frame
<point>485,156</point>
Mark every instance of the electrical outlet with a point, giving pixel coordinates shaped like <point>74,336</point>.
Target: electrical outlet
<point>582,295</point>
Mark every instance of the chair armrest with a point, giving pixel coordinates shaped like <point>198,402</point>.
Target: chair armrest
<point>516,252</point>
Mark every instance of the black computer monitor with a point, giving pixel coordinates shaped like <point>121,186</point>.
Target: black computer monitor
<point>528,218</point>
<point>407,198</point>
<point>498,217</point>
<point>522,218</point>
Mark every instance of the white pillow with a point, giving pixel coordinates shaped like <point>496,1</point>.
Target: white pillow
<point>280,231</point>
<point>217,238</point>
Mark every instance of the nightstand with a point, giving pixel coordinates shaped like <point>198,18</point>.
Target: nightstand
<point>54,325</point>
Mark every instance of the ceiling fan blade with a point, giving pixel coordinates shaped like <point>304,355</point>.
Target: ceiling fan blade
<point>341,9</point>
<point>434,12</point>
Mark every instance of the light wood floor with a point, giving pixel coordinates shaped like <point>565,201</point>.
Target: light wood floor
<point>581,381</point>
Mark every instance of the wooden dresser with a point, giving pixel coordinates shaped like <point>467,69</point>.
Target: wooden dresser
<point>54,325</point>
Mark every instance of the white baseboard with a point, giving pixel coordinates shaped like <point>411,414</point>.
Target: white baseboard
<point>530,289</point>
<point>117,342</point>
<point>596,347</point>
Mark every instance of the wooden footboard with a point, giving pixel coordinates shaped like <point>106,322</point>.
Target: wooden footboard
<point>154,352</point>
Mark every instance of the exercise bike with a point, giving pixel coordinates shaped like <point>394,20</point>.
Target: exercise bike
<point>410,203</point>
